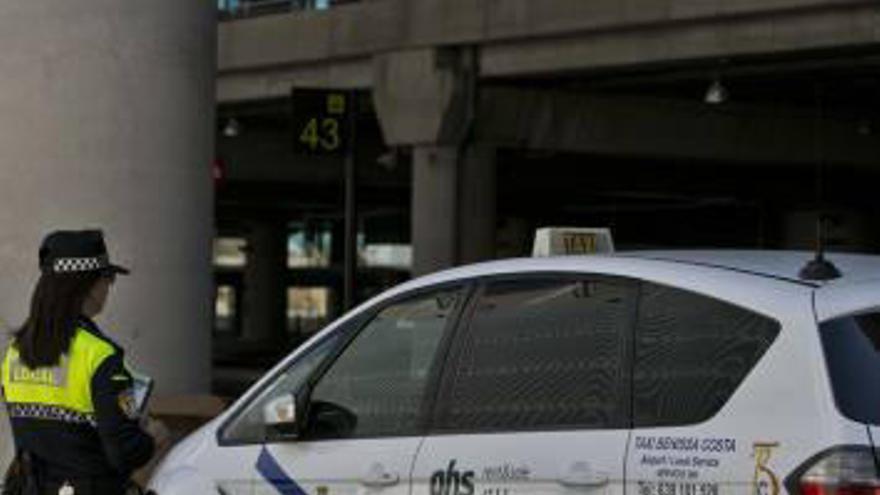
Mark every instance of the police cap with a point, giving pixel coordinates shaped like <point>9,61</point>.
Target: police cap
<point>77,251</point>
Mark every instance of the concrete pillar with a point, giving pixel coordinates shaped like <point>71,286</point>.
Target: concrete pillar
<point>265,294</point>
<point>107,121</point>
<point>453,207</point>
<point>426,98</point>
<point>434,208</point>
<point>478,205</point>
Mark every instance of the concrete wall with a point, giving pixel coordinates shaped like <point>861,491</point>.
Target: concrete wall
<point>106,120</point>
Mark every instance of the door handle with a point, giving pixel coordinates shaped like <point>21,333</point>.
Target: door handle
<point>591,481</point>
<point>378,477</point>
<point>580,475</point>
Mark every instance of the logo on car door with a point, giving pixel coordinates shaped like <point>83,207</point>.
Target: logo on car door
<point>451,481</point>
<point>764,481</point>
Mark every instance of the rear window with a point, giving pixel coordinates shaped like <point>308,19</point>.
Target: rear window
<point>852,352</point>
<point>692,352</point>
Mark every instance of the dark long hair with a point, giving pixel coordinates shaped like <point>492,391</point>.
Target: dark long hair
<point>56,305</point>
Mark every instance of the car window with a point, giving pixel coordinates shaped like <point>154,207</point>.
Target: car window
<point>691,354</point>
<point>852,355</point>
<point>377,385</point>
<point>249,425</point>
<point>542,354</point>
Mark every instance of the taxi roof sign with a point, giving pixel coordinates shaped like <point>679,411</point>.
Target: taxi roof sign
<point>559,241</point>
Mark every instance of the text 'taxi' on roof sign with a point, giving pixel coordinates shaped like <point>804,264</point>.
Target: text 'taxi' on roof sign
<point>559,241</point>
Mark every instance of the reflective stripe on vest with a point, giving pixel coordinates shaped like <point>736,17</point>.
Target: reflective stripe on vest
<point>67,386</point>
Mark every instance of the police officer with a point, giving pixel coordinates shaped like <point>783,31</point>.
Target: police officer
<point>69,394</point>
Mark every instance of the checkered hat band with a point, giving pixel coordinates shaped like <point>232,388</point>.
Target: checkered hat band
<point>49,413</point>
<point>70,265</point>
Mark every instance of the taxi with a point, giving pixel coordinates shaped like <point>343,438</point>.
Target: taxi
<point>637,373</point>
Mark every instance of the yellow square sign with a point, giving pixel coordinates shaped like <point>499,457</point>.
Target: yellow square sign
<point>336,104</point>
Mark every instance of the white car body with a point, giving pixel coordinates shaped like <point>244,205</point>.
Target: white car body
<point>781,415</point>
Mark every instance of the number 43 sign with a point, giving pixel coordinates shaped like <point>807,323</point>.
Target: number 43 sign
<point>322,120</point>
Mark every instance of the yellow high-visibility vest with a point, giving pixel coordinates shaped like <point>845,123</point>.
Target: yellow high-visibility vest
<point>67,386</point>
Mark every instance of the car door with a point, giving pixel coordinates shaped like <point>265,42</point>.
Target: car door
<point>365,416</point>
<point>535,395</point>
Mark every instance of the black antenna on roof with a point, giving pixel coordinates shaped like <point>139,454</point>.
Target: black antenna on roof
<point>819,268</point>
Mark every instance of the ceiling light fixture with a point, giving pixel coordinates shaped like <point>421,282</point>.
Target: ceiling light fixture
<point>232,128</point>
<point>717,93</point>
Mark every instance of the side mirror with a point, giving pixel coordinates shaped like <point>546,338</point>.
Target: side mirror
<point>280,417</point>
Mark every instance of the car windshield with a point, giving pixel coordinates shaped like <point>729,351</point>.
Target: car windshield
<point>852,353</point>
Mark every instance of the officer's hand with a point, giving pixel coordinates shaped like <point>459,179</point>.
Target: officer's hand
<point>159,432</point>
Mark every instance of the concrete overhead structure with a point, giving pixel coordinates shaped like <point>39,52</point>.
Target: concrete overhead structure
<point>258,58</point>
<point>106,121</point>
<point>638,125</point>
<point>426,63</point>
